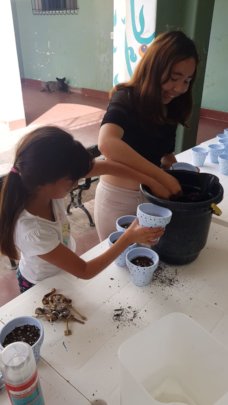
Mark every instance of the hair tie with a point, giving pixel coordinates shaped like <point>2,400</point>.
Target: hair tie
<point>14,170</point>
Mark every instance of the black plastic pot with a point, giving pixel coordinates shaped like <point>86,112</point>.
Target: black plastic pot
<point>186,234</point>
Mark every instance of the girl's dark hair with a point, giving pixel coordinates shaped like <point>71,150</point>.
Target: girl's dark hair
<point>43,156</point>
<point>154,68</point>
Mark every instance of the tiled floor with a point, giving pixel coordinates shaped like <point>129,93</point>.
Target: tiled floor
<point>38,103</point>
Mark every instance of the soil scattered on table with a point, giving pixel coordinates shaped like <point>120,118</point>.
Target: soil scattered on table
<point>25,333</point>
<point>124,316</point>
<point>165,275</point>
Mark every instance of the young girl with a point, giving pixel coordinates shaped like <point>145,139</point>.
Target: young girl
<point>33,223</point>
<point>139,127</point>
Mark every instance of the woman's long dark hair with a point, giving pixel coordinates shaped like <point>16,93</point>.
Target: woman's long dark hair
<point>43,156</point>
<point>165,51</point>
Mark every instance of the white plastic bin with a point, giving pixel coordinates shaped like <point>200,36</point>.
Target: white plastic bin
<point>174,361</point>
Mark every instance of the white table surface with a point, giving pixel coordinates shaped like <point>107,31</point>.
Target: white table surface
<point>56,390</point>
<point>88,359</point>
<point>212,168</point>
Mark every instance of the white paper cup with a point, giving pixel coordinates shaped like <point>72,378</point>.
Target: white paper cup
<point>121,259</point>
<point>184,166</point>
<point>223,141</point>
<point>142,276</point>
<point>153,215</point>
<point>223,135</point>
<point>214,149</point>
<point>123,222</point>
<point>223,163</point>
<point>199,155</point>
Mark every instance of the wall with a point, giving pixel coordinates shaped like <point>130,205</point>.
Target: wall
<point>76,46</point>
<point>133,32</point>
<point>11,102</point>
<point>215,92</point>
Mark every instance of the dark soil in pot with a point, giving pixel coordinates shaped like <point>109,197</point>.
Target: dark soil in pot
<point>142,261</point>
<point>25,333</point>
<point>186,235</point>
<point>126,225</point>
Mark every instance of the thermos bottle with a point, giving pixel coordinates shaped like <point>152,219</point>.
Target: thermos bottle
<point>20,375</point>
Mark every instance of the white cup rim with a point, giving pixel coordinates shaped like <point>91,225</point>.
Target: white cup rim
<point>223,156</point>
<point>167,212</point>
<point>215,146</point>
<point>199,149</point>
<point>140,250</point>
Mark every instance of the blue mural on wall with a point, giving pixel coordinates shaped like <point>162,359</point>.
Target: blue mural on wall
<point>134,30</point>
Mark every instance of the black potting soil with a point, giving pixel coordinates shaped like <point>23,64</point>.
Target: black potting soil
<point>142,261</point>
<point>126,225</point>
<point>25,333</point>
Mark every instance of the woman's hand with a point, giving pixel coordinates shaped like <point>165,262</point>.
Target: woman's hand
<point>171,183</point>
<point>139,234</point>
<point>115,149</point>
<point>168,160</point>
<point>158,189</point>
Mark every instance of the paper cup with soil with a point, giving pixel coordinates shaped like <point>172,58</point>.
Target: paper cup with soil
<point>23,329</point>
<point>122,223</point>
<point>121,259</point>
<point>142,263</point>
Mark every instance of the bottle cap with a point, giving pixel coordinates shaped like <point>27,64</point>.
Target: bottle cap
<point>17,362</point>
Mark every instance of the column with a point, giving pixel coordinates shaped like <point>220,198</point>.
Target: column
<point>134,29</point>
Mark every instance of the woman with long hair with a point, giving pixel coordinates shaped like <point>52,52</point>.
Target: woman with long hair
<point>139,127</point>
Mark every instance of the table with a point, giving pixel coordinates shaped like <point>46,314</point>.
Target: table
<point>56,390</point>
<point>212,168</point>
<point>88,359</point>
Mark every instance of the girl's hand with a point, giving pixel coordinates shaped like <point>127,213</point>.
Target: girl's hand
<point>147,235</point>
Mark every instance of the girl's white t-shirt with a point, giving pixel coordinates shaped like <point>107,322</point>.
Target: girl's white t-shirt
<point>36,236</point>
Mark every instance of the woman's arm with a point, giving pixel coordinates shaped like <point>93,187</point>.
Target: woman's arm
<point>112,147</point>
<point>65,259</point>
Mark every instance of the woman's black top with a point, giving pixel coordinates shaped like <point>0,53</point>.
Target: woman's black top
<point>152,141</point>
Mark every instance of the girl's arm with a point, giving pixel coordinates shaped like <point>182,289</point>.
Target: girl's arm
<point>112,147</point>
<point>118,169</point>
<point>65,259</point>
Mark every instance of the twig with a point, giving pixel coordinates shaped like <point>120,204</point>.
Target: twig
<point>67,332</point>
<point>81,316</point>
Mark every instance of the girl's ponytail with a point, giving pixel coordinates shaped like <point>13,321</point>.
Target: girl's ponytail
<point>13,196</point>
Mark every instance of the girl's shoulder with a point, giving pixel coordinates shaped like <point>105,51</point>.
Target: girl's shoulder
<point>32,229</point>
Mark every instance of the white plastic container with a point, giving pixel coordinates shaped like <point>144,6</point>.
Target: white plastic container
<point>20,374</point>
<point>176,362</point>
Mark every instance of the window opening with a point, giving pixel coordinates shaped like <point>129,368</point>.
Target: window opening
<point>54,7</point>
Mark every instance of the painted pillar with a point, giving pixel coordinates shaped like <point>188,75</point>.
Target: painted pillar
<point>134,30</point>
<point>194,17</point>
